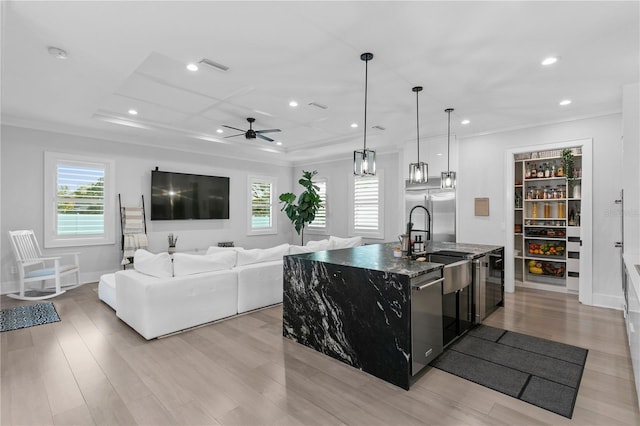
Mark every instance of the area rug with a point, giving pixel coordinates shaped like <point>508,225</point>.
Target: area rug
<point>538,371</point>
<point>27,316</point>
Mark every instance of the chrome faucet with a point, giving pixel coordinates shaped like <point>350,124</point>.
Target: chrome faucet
<point>410,226</point>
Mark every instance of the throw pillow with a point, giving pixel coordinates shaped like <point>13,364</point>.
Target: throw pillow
<point>156,265</point>
<point>318,245</point>
<point>188,264</point>
<point>247,257</point>
<point>339,243</point>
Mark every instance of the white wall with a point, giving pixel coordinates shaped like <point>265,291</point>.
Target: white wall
<point>337,172</point>
<point>481,174</point>
<point>22,165</point>
<point>631,171</point>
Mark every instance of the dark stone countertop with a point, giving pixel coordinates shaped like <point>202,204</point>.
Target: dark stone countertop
<point>467,251</point>
<point>377,257</point>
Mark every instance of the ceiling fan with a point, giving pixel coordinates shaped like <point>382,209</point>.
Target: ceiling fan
<point>252,134</point>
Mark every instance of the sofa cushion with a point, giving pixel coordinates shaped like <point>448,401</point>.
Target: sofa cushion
<point>293,249</point>
<point>340,243</point>
<point>188,264</point>
<point>318,245</point>
<point>247,257</point>
<point>157,265</point>
<point>214,249</point>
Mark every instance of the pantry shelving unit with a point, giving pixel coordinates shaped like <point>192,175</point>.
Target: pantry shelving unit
<point>547,221</point>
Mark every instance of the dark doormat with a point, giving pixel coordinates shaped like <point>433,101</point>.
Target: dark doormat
<point>538,371</point>
<point>27,316</point>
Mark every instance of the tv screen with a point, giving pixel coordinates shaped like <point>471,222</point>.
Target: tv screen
<point>176,196</point>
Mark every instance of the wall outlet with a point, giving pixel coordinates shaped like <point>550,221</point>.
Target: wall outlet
<point>14,270</point>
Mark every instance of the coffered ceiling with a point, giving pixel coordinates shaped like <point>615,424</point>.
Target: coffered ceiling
<point>481,58</point>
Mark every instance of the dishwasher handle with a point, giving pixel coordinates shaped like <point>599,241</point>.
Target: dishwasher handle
<point>429,284</point>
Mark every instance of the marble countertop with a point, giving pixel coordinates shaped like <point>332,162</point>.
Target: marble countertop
<point>377,257</point>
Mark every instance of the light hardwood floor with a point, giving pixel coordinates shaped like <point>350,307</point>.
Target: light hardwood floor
<point>91,368</point>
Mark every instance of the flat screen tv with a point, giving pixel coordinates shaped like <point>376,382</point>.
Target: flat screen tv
<point>177,196</point>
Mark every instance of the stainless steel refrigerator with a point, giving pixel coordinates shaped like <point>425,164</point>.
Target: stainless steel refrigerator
<point>441,203</point>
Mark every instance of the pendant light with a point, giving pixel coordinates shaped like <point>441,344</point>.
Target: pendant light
<point>448,178</point>
<point>418,171</point>
<point>364,161</point>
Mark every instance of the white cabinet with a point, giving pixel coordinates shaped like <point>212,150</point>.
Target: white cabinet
<point>547,213</point>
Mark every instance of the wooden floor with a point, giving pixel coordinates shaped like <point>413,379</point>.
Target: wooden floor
<point>91,368</point>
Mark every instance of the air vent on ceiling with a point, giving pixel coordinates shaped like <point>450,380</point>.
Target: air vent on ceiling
<point>379,127</point>
<point>317,105</point>
<point>214,65</point>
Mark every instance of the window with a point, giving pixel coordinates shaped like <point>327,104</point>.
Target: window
<point>367,213</point>
<point>261,203</point>
<point>319,224</point>
<point>78,201</point>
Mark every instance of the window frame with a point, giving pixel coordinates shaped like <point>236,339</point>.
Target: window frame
<point>321,230</point>
<point>379,233</point>
<point>273,229</point>
<point>51,238</point>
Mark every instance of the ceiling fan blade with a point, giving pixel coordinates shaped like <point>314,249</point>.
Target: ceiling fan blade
<point>264,137</point>
<point>234,128</point>
<point>268,131</point>
<point>233,136</point>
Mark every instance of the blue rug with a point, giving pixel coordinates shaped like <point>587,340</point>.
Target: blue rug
<point>27,316</point>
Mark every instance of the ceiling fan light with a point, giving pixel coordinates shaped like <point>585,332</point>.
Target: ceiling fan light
<point>419,172</point>
<point>364,162</point>
<point>448,180</point>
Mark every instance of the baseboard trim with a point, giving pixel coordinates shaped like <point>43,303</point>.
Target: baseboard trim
<point>608,301</point>
<point>13,286</point>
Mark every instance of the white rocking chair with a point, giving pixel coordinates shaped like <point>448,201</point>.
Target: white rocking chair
<point>32,267</point>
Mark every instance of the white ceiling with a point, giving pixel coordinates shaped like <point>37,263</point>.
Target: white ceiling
<point>481,58</point>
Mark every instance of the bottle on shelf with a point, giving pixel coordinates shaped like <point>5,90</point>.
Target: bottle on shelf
<point>553,169</point>
<point>572,218</point>
<point>547,170</point>
<point>561,208</point>
<point>540,171</point>
<point>534,210</point>
<point>547,210</point>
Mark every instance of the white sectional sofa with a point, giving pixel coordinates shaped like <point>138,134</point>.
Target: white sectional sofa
<point>166,294</point>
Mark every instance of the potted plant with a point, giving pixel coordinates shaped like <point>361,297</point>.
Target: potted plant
<point>173,239</point>
<point>304,212</point>
<point>569,169</point>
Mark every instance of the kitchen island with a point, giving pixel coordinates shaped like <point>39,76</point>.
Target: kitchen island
<point>367,308</point>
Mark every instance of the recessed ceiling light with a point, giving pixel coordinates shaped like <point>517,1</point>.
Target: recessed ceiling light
<point>219,131</point>
<point>439,154</point>
<point>192,67</point>
<point>565,102</point>
<point>133,112</point>
<point>354,125</point>
<point>465,122</point>
<point>549,61</point>
<point>278,143</point>
<point>293,104</point>
<point>57,53</point>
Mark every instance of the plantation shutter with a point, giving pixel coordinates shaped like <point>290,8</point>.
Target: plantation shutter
<point>366,204</point>
<point>79,199</point>
<point>261,205</point>
<point>320,221</point>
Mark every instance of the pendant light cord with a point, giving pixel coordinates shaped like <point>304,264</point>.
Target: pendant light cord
<point>366,84</point>
<point>417,126</point>
<point>448,110</point>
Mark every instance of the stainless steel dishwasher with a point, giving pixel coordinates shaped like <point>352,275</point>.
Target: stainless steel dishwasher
<point>426,319</point>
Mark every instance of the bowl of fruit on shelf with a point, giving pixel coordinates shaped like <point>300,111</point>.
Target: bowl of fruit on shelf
<point>546,268</point>
<point>546,249</point>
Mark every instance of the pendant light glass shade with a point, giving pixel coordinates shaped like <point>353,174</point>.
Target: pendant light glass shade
<point>364,160</point>
<point>448,178</point>
<point>418,171</point>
